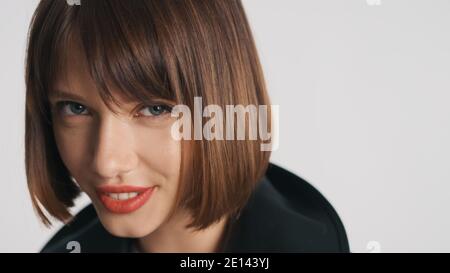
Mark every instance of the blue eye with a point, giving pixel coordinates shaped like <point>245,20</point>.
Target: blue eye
<point>154,110</point>
<point>72,108</point>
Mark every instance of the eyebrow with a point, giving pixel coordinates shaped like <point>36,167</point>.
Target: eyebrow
<point>62,94</point>
<point>59,94</point>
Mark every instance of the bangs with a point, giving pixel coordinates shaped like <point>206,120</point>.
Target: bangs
<point>120,44</point>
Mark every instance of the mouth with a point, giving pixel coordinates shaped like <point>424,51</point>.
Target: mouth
<point>124,199</point>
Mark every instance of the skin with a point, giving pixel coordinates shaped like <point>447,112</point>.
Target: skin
<point>133,148</point>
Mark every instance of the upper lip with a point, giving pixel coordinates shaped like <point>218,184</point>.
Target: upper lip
<point>121,188</point>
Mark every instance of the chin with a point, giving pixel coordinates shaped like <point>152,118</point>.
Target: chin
<point>127,226</point>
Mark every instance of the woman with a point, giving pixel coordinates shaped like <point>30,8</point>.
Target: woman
<point>102,80</point>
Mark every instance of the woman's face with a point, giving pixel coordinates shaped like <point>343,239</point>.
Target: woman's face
<point>105,151</point>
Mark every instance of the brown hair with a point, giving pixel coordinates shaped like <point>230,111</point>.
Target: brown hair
<point>162,48</point>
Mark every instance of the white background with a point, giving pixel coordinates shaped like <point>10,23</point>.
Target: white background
<point>364,91</point>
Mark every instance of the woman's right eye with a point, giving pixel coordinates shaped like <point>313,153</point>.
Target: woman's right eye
<point>71,108</point>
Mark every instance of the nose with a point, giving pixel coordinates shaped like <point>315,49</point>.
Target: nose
<point>113,153</point>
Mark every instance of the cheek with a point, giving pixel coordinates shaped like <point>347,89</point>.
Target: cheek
<point>72,146</point>
<point>159,152</point>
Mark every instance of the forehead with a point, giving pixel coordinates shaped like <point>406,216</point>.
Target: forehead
<point>73,77</point>
<point>71,62</point>
<point>73,69</point>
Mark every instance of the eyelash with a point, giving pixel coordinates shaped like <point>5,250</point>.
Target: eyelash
<point>165,108</point>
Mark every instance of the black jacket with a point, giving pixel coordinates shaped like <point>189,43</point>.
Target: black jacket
<point>284,214</point>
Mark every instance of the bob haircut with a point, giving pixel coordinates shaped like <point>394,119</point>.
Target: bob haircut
<point>166,49</point>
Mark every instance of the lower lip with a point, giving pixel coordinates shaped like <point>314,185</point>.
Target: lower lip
<point>126,206</point>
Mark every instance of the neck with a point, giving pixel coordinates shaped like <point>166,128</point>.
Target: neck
<point>172,236</point>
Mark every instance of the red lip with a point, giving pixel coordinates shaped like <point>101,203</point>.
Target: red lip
<point>124,206</point>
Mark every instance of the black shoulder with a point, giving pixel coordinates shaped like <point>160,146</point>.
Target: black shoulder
<point>307,201</point>
<point>85,233</point>
<point>287,214</point>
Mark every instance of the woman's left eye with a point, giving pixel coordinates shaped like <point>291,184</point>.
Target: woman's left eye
<point>154,110</point>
